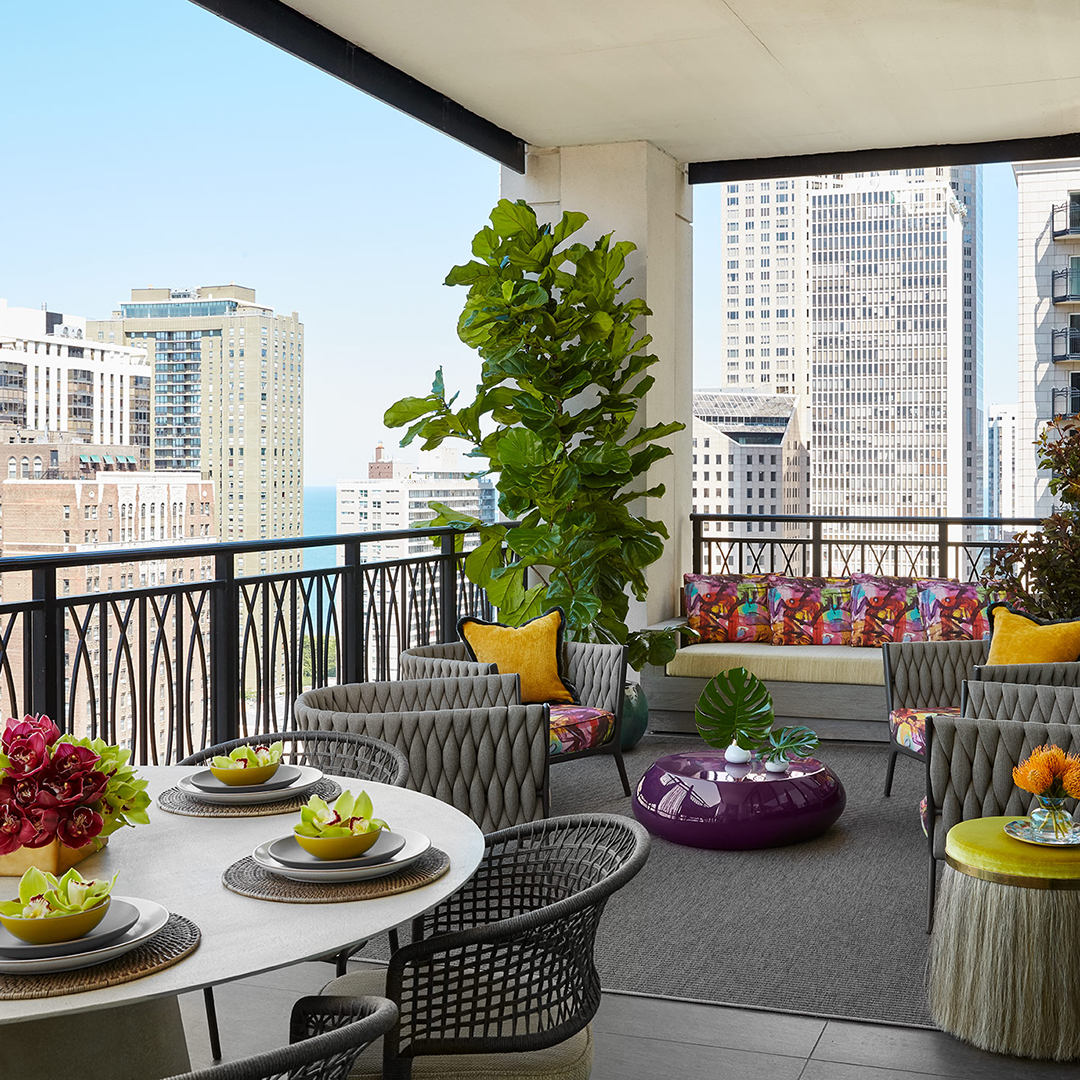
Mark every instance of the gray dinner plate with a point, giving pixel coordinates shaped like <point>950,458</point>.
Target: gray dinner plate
<point>119,919</point>
<point>205,780</point>
<point>288,852</point>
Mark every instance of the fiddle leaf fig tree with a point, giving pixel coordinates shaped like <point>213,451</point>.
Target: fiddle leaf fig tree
<point>564,368</point>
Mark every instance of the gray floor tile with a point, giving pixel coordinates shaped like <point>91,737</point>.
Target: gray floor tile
<point>710,1025</point>
<point>932,1052</point>
<point>834,1070</point>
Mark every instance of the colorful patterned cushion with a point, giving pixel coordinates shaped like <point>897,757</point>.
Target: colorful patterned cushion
<point>908,726</point>
<point>731,607</point>
<point>810,611</point>
<point>884,609</point>
<point>955,611</point>
<point>574,727</point>
<point>924,817</point>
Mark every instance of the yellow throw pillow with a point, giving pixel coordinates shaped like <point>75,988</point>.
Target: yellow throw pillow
<point>532,650</point>
<point>1017,638</point>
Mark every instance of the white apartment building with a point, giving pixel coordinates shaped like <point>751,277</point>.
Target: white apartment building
<point>860,293</point>
<point>54,379</point>
<point>1001,457</point>
<point>1048,241</point>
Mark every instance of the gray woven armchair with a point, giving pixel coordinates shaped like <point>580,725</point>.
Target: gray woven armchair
<point>325,1036</point>
<point>597,672</point>
<point>467,740</point>
<point>499,979</point>
<point>970,759</point>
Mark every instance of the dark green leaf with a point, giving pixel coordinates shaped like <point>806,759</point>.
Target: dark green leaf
<point>735,706</point>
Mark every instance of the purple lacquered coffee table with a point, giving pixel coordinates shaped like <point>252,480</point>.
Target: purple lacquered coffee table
<point>701,800</point>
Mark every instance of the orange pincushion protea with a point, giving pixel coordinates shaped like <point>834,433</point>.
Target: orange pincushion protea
<point>1048,770</point>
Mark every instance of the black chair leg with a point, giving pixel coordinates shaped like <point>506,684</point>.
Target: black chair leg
<point>211,1023</point>
<point>931,892</point>
<point>889,772</point>
<point>395,944</point>
<point>622,771</point>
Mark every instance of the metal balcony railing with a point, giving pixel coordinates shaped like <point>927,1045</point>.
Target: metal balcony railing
<point>810,546</point>
<point>1065,223</point>
<point>1065,286</point>
<point>1066,344</point>
<point>186,652</point>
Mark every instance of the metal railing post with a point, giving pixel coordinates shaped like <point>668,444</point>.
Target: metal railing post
<point>225,652</point>
<point>47,678</point>
<point>350,649</point>
<point>815,548</point>
<point>698,562</point>
<point>448,617</point>
<point>943,549</point>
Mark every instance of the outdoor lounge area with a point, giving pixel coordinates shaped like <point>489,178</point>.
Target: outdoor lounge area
<point>403,817</point>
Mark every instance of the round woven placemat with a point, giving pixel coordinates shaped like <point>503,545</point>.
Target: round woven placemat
<point>177,938</point>
<point>248,878</point>
<point>175,801</point>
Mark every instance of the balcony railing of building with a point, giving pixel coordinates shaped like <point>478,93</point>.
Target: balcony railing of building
<point>1065,286</point>
<point>809,546</point>
<point>1066,220</point>
<point>1064,401</point>
<point>1066,344</point>
<point>165,666</point>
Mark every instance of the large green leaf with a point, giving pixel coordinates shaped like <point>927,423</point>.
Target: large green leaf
<point>409,409</point>
<point>735,706</point>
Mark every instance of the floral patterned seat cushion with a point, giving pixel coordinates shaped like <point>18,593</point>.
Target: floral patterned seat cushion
<point>954,610</point>
<point>908,726</point>
<point>575,727</point>
<point>728,607</point>
<point>810,610</point>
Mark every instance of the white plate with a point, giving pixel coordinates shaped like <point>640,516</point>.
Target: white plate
<point>152,917</point>
<point>307,779</point>
<point>416,843</point>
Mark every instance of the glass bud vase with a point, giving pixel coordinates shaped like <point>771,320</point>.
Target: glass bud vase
<point>1050,820</point>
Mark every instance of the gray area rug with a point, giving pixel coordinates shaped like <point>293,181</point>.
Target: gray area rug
<point>832,927</point>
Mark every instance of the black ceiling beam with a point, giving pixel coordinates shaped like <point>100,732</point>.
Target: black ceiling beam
<point>883,159</point>
<point>283,26</point>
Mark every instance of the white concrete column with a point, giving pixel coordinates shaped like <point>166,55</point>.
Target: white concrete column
<point>641,194</point>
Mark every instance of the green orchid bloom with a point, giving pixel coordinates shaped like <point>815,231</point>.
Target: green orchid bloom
<point>42,895</point>
<point>249,757</point>
<point>351,815</point>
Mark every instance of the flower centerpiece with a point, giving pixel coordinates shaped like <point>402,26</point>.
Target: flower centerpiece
<point>61,797</point>
<point>1052,776</point>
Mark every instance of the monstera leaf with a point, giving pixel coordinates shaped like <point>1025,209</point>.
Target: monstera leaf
<point>735,707</point>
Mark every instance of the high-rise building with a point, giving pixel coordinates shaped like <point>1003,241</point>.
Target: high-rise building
<point>1049,309</point>
<point>860,294</point>
<point>54,379</point>
<point>228,402</point>
<point>1001,448</point>
<point>747,458</point>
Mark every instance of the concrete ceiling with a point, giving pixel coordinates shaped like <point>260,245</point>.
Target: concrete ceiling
<point>710,80</point>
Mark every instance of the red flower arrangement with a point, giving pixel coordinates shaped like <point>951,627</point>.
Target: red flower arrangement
<point>56,787</point>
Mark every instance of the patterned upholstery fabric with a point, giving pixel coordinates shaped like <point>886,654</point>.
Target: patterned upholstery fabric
<point>732,607</point>
<point>908,726</point>
<point>884,609</point>
<point>955,611</point>
<point>810,611</point>
<point>924,818</point>
<point>575,727</point>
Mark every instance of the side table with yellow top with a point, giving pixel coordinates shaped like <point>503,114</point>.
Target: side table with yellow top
<point>1004,969</point>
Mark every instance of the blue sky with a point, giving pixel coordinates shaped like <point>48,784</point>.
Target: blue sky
<point>154,144</point>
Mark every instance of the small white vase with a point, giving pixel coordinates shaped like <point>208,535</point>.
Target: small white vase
<point>737,755</point>
<point>777,766</point>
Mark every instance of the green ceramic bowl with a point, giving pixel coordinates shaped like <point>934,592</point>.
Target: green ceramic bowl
<point>338,847</point>
<point>245,777</point>
<point>55,928</point>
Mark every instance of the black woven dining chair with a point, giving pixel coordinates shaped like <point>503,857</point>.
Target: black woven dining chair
<point>502,971</point>
<point>340,753</point>
<point>325,1037</point>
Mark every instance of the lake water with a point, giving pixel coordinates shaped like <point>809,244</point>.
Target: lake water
<point>320,519</point>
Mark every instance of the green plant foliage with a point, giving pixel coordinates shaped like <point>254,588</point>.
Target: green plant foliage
<point>788,742</point>
<point>737,707</point>
<point>1040,571</point>
<point>563,372</point>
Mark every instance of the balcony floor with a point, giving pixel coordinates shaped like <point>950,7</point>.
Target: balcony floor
<point>638,1038</point>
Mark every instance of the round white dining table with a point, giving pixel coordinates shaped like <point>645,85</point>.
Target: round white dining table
<point>178,862</point>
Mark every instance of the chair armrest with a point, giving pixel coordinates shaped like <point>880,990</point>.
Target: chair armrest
<point>448,660</point>
<point>1065,674</point>
<point>928,674</point>
<point>410,695</point>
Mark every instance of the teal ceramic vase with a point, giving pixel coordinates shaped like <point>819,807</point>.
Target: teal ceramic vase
<point>635,716</point>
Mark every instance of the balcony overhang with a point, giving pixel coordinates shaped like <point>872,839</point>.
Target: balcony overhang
<point>736,89</point>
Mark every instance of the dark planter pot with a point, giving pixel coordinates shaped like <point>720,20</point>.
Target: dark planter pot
<point>635,716</point>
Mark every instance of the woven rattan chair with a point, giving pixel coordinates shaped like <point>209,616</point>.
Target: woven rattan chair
<point>467,740</point>
<point>499,979</point>
<point>970,759</point>
<point>325,1036</point>
<point>597,672</point>
<point>339,753</point>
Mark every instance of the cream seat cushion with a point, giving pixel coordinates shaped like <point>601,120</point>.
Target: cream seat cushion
<point>782,663</point>
<point>570,1060</point>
